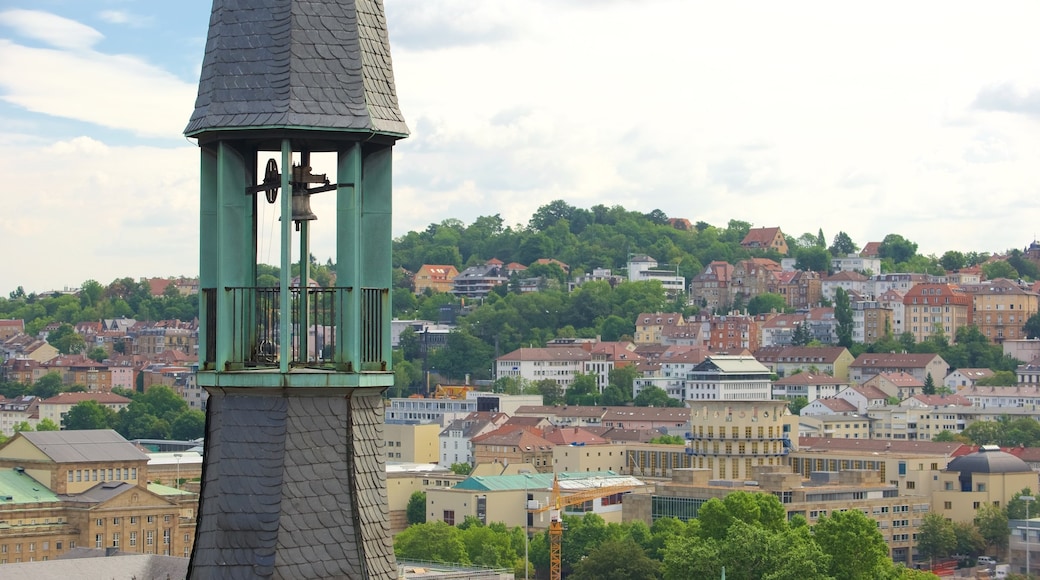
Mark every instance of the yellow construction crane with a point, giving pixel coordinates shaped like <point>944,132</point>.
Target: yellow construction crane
<point>555,509</point>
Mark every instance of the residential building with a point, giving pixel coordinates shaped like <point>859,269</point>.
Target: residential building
<point>55,408</point>
<point>1022,349</point>
<point>10,327</point>
<point>478,281</point>
<point>644,268</point>
<point>597,275</point>
<point>829,407</point>
<point>435,278</point>
<point>966,377</point>
<point>443,411</point>
<point>850,282</point>
<point>1003,397</point>
<point>838,425</point>
<point>765,239</point>
<point>1001,308</point>
<point>863,397</point>
<point>753,277</point>
<point>411,443</point>
<point>799,288</point>
<point>900,282</point>
<point>870,321</point>
<point>607,356</point>
<point>25,346</point>
<point>650,326</point>
<point>856,263</point>
<point>898,385</point>
<point>919,366</point>
<point>930,309</point>
<point>711,288</point>
<point>557,362</point>
<point>511,446</point>
<point>579,458</point>
<point>455,440</point>
<point>729,333</point>
<point>892,300</point>
<point>811,386</point>
<point>787,360</point>
<point>778,331</point>
<point>1029,373</point>
<point>14,412</point>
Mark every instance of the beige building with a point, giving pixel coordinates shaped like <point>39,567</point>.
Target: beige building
<point>505,498</point>
<point>86,489</point>
<point>55,408</point>
<point>851,426</point>
<point>412,443</point>
<point>812,498</point>
<point>518,445</point>
<point>1002,308</point>
<point>870,364</point>
<point>988,476</point>
<point>911,466</point>
<point>650,326</point>
<point>589,458</point>
<point>728,438</point>
<point>789,360</point>
<point>404,479</point>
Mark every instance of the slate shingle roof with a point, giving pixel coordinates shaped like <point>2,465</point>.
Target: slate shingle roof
<point>297,64</point>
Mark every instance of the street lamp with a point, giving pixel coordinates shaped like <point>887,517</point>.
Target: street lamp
<point>1027,499</point>
<point>177,482</point>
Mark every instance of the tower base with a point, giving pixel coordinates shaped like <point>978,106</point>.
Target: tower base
<point>293,486</point>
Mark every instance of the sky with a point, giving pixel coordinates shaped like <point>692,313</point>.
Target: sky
<point>917,118</point>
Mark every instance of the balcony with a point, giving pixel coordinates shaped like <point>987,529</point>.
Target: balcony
<point>255,320</point>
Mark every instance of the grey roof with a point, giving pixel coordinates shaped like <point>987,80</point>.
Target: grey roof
<point>297,64</point>
<point>89,564</point>
<point>86,445</point>
<point>988,461</point>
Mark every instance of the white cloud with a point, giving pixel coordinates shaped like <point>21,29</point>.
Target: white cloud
<point>51,29</point>
<point>114,91</point>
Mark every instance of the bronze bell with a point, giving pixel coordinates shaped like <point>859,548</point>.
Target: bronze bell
<point>301,208</point>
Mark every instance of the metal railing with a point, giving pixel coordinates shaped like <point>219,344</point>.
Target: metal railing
<point>256,326</point>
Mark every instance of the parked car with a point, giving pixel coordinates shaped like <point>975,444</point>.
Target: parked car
<point>986,561</point>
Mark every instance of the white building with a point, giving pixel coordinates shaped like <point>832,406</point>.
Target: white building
<point>856,263</point>
<point>729,378</point>
<point>557,362</point>
<point>454,442</point>
<point>444,411</point>
<point>643,268</point>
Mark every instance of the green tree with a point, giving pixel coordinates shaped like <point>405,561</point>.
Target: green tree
<point>65,339</point>
<point>797,404</point>
<point>23,426</point>
<point>46,424</point>
<point>936,537</point>
<point>431,541</point>
<point>189,425</point>
<point>687,557</point>
<point>1032,326</point>
<point>582,390</point>
<point>854,543</point>
<point>766,302</point>
<point>801,335</point>
<point>416,509</point>
<point>843,315</point>
<point>843,245</point>
<point>992,523</point>
<point>1016,507</point>
<point>622,377</point>
<point>616,560</point>
<point>999,269</point>
<point>897,248</point>
<point>48,385</point>
<point>97,354</point>
<point>929,385</point>
<point>668,440</point>
<point>969,541</point>
<point>952,260</point>
<point>550,390</point>
<point>812,259</point>
<point>652,396</point>
<point>461,468</point>
<point>89,415</point>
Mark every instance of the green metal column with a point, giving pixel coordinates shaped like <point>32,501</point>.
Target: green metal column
<point>236,248</point>
<point>376,228</point>
<point>208,267</point>
<point>348,256</point>
<point>285,275</point>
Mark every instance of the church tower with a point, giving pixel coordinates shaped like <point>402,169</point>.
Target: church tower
<point>294,477</point>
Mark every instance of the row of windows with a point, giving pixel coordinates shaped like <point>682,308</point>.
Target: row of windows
<point>44,546</point>
<point>113,474</point>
